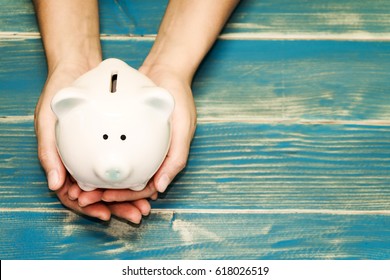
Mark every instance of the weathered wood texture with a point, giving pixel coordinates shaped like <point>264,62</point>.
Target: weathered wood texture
<point>242,166</point>
<point>252,17</point>
<point>175,235</point>
<point>329,80</point>
<point>291,158</point>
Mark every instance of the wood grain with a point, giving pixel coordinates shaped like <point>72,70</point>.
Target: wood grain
<point>291,157</point>
<point>311,19</point>
<point>175,235</point>
<point>265,19</point>
<point>123,17</point>
<point>241,166</point>
<point>278,80</point>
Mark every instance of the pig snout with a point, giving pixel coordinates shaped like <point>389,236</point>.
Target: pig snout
<point>115,174</point>
<point>112,172</point>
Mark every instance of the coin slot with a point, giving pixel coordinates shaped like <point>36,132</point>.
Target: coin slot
<point>114,82</point>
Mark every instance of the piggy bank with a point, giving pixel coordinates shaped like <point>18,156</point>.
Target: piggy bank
<point>113,127</point>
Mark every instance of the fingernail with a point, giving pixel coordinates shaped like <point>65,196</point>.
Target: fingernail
<point>103,217</point>
<point>105,198</point>
<point>82,203</point>
<point>52,179</point>
<point>72,197</point>
<point>163,183</point>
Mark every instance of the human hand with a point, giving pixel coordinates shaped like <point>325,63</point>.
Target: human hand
<point>184,38</point>
<point>183,127</point>
<point>67,190</point>
<point>183,123</point>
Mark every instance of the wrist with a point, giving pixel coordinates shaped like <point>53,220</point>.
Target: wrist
<point>70,31</point>
<point>170,63</point>
<point>159,72</point>
<point>82,55</point>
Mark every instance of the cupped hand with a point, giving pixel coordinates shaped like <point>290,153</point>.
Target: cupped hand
<point>67,190</point>
<point>183,127</point>
<point>183,123</point>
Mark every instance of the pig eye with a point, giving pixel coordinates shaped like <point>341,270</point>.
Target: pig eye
<point>123,137</point>
<point>105,136</point>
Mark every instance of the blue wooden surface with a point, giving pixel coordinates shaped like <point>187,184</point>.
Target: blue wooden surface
<point>330,80</point>
<point>242,166</point>
<point>176,235</point>
<point>291,157</point>
<point>252,17</point>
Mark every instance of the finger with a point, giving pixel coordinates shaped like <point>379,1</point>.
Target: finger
<point>127,211</point>
<point>183,130</point>
<point>47,150</point>
<point>74,190</point>
<point>51,163</point>
<point>175,162</point>
<point>128,195</point>
<point>143,206</point>
<point>91,197</point>
<point>154,196</point>
<point>97,210</point>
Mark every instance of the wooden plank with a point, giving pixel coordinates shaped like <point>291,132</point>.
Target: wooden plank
<point>23,72</point>
<point>140,17</point>
<point>268,18</point>
<point>279,80</point>
<point>240,166</point>
<point>123,17</point>
<point>261,166</point>
<point>22,76</point>
<point>305,174</point>
<point>175,235</point>
<point>17,16</point>
<point>313,19</point>
<point>294,80</point>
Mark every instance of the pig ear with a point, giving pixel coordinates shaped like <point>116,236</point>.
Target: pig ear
<point>159,99</point>
<point>66,100</point>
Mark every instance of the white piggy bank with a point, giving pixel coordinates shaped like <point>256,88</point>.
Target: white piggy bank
<point>113,128</point>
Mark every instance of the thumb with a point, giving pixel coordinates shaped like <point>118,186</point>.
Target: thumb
<point>175,162</point>
<point>49,158</point>
<point>52,164</point>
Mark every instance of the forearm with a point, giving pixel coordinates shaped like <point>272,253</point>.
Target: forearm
<point>69,30</point>
<point>187,32</point>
